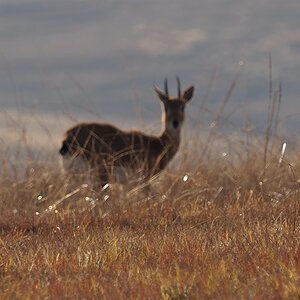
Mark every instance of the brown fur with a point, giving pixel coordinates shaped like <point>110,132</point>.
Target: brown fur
<point>105,147</point>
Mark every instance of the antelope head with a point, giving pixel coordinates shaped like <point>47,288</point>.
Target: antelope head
<point>173,107</point>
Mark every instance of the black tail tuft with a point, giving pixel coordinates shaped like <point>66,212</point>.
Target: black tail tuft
<point>64,148</point>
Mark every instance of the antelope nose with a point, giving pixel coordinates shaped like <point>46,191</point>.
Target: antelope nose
<point>175,123</point>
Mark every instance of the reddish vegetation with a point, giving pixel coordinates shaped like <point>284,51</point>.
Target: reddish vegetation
<point>225,231</point>
<point>218,224</point>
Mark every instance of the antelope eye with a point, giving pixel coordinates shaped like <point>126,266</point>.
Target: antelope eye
<point>182,108</point>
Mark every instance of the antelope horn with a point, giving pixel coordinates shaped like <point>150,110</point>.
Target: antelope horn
<point>179,87</point>
<point>166,87</point>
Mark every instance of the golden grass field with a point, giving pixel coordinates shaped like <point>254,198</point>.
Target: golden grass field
<point>212,229</point>
<point>216,226</point>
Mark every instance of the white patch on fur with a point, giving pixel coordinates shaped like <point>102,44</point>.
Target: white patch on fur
<point>122,174</point>
<point>74,164</point>
<point>79,166</point>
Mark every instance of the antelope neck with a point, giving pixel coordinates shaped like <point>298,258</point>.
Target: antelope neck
<point>169,139</point>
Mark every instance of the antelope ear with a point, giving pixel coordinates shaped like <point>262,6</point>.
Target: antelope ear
<point>161,95</point>
<point>188,94</point>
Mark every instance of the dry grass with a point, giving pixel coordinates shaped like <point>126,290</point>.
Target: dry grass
<point>213,229</point>
<point>219,224</point>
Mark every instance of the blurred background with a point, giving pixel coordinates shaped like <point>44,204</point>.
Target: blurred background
<point>65,61</point>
